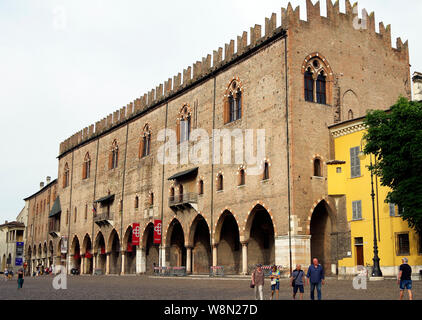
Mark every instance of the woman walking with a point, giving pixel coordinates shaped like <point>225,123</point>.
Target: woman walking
<point>275,282</point>
<point>258,278</point>
<point>20,279</point>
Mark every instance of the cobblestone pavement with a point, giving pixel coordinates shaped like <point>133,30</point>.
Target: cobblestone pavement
<point>190,288</point>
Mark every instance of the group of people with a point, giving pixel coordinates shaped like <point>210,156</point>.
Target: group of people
<point>315,279</point>
<point>41,270</point>
<point>8,274</point>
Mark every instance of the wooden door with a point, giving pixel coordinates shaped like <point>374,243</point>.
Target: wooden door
<point>359,256</point>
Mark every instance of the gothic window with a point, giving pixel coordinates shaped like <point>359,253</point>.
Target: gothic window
<point>145,147</point>
<point>309,86</point>
<point>242,177</point>
<point>151,199</point>
<point>201,187</point>
<point>86,169</point>
<point>266,174</point>
<point>317,78</point>
<point>114,156</point>
<point>233,102</point>
<point>321,89</point>
<point>184,124</point>
<point>220,182</point>
<point>66,176</point>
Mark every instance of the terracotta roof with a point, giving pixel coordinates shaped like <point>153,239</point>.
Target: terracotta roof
<point>13,224</point>
<point>334,162</point>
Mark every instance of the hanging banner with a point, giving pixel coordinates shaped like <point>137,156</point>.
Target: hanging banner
<point>63,247</point>
<point>157,231</point>
<point>136,234</point>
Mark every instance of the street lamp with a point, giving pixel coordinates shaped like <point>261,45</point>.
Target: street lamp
<point>376,270</point>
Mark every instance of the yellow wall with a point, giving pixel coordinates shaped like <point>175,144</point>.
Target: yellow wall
<point>360,189</point>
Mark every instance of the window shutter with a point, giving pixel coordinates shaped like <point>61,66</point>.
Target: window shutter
<point>354,210</point>
<point>359,205</point>
<point>392,207</point>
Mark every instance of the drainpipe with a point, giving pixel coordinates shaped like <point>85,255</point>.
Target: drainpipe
<point>288,152</point>
<point>123,192</point>
<point>160,252</point>
<point>70,216</point>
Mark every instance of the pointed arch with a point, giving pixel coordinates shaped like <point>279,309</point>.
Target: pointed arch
<point>318,79</point>
<point>233,101</point>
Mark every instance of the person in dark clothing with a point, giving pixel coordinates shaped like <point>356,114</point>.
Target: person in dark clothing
<point>20,279</point>
<point>316,278</point>
<point>405,279</point>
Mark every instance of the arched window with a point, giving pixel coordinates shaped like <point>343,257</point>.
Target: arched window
<point>220,181</point>
<point>309,86</point>
<point>242,177</point>
<point>65,176</point>
<point>86,169</point>
<point>266,174</point>
<point>184,124</point>
<point>145,146</point>
<point>317,77</point>
<point>233,102</point>
<point>201,187</point>
<point>114,156</point>
<point>317,168</point>
<point>321,88</point>
<point>151,199</point>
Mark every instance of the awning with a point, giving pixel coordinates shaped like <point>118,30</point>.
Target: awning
<point>57,209</point>
<point>184,174</point>
<point>105,199</point>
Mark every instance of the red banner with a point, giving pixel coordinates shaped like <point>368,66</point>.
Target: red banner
<point>157,231</point>
<point>136,234</point>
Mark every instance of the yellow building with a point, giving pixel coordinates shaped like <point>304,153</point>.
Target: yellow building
<point>349,178</point>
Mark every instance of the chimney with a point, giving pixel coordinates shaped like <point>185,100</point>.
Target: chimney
<point>417,86</point>
<point>48,180</point>
<point>41,185</point>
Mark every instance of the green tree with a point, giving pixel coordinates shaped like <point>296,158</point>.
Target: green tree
<point>395,138</point>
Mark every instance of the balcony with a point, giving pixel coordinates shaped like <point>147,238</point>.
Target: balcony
<point>54,228</point>
<point>103,219</point>
<point>185,201</point>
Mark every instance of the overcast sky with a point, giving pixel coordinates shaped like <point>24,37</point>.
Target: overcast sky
<point>66,64</point>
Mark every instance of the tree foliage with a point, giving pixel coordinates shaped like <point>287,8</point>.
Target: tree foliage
<point>395,138</point>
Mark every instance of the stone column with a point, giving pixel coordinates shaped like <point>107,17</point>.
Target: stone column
<point>94,263</point>
<point>82,271</point>
<point>162,252</point>
<point>188,260</point>
<point>244,258</point>
<point>140,260</point>
<point>108,262</point>
<point>214,255</point>
<point>123,262</point>
<point>69,263</point>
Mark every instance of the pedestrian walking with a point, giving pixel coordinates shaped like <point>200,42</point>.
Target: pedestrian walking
<point>20,279</point>
<point>297,282</point>
<point>316,278</point>
<point>404,279</point>
<point>258,278</point>
<point>275,282</point>
<point>6,274</point>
